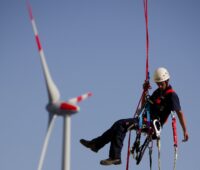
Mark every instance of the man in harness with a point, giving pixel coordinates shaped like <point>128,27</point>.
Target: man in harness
<point>163,101</point>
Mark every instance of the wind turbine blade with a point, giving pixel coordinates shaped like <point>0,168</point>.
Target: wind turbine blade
<point>80,98</point>
<point>46,141</point>
<point>53,92</point>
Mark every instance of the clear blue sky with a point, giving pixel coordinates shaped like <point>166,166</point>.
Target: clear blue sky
<point>98,46</point>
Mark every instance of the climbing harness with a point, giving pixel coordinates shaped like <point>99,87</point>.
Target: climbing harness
<point>153,131</point>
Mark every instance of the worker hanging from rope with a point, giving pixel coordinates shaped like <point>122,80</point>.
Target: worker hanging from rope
<point>163,100</point>
<point>162,110</point>
<point>160,104</point>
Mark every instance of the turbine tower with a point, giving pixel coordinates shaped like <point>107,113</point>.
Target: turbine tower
<point>55,106</point>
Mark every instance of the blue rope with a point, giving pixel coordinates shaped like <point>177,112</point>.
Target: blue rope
<point>147,107</point>
<point>140,120</point>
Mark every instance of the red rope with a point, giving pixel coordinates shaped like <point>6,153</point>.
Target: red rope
<point>174,131</point>
<point>147,75</point>
<point>147,38</point>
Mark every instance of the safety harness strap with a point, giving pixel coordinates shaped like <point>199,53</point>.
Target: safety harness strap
<point>169,91</point>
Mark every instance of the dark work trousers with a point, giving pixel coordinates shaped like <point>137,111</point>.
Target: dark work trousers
<point>115,135</point>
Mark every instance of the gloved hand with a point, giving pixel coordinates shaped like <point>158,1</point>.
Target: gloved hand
<point>146,85</point>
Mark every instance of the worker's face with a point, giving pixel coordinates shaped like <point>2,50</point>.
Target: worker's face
<point>162,85</point>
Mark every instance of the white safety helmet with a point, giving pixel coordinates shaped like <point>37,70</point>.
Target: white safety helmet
<point>161,74</point>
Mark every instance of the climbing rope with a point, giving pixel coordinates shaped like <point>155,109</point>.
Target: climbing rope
<point>175,139</point>
<point>150,154</point>
<point>159,147</point>
<point>146,77</point>
<point>147,38</point>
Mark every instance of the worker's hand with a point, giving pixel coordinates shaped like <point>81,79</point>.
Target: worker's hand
<point>186,137</point>
<point>146,85</point>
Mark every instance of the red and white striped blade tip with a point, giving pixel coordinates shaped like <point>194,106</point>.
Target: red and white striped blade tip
<point>80,98</point>
<point>29,9</point>
<point>83,97</point>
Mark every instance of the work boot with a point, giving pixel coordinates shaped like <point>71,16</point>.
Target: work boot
<point>89,144</point>
<point>110,161</point>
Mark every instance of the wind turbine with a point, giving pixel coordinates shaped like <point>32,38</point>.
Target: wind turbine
<point>55,106</point>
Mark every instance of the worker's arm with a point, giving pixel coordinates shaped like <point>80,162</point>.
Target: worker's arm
<point>182,121</point>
